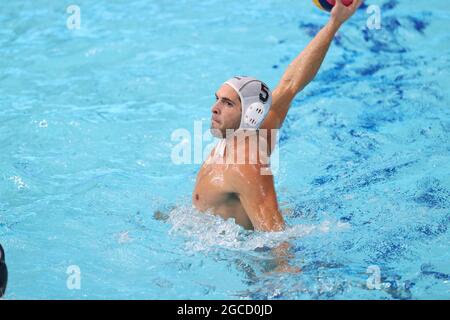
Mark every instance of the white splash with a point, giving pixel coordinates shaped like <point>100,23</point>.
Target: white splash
<point>18,182</point>
<point>43,124</point>
<point>141,163</point>
<point>123,237</point>
<point>93,52</point>
<point>206,232</point>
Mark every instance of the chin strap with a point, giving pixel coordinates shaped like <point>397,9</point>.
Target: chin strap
<point>219,152</point>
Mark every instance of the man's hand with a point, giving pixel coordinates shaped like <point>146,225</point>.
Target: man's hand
<point>341,13</point>
<point>282,257</point>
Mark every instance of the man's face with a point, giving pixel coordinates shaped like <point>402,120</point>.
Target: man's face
<point>226,112</point>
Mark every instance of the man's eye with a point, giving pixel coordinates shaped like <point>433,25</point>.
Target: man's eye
<point>229,104</point>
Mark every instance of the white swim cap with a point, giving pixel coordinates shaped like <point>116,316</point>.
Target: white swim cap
<point>256,100</point>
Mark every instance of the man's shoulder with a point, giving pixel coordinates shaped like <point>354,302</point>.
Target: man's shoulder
<point>247,174</point>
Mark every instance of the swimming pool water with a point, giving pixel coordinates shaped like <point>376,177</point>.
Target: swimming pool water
<point>86,118</point>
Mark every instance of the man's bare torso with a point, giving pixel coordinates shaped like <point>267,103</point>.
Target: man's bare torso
<point>213,191</point>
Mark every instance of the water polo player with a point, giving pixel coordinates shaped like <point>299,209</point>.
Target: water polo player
<point>244,104</point>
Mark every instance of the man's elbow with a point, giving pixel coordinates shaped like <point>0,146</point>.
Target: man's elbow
<point>286,88</point>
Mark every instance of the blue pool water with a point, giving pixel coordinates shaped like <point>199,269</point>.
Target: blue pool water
<point>86,118</point>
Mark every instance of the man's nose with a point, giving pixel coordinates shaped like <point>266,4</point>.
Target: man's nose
<point>216,109</point>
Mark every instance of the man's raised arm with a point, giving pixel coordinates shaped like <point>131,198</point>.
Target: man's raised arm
<point>306,65</point>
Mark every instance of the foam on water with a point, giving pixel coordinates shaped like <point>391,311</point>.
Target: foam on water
<point>206,232</point>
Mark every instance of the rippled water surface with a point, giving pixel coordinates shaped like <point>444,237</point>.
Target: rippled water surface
<point>86,118</point>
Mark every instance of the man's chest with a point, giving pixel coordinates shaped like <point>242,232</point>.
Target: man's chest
<point>212,187</point>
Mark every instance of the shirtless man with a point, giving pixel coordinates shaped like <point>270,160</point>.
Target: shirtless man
<point>240,191</point>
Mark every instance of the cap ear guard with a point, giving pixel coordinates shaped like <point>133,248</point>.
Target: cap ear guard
<point>254,115</point>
